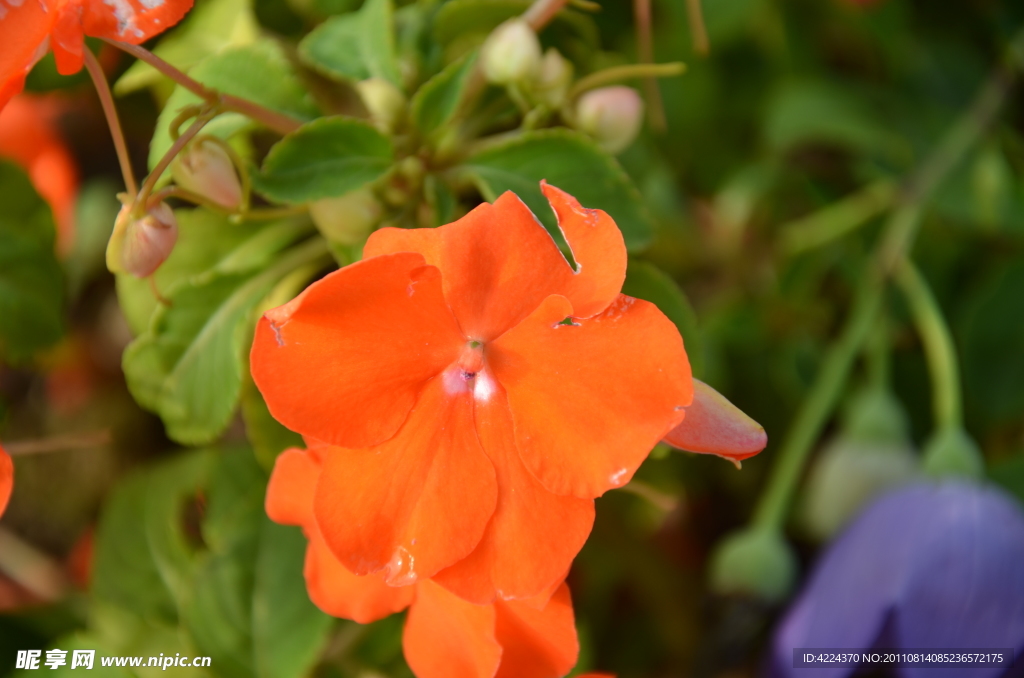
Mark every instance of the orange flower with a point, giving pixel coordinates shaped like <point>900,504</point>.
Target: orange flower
<point>6,479</point>
<point>29,137</point>
<point>475,393</point>
<point>28,29</point>
<point>445,636</point>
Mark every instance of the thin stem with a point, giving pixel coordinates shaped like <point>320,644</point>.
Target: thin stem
<point>938,345</point>
<point>99,80</point>
<point>541,12</point>
<point>32,569</point>
<point>878,355</point>
<point>279,122</point>
<point>839,218</point>
<point>655,108</point>
<point>617,73</point>
<point>142,203</point>
<point>61,443</point>
<point>698,29</point>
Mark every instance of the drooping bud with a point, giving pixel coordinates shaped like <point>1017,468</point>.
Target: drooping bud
<point>952,452</point>
<point>384,101</point>
<point>713,425</point>
<point>511,54</point>
<point>612,115</point>
<point>139,246</point>
<point>206,169</point>
<point>755,562</point>
<point>553,79</point>
<point>348,219</point>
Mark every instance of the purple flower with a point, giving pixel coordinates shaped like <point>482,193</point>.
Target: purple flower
<point>927,566</point>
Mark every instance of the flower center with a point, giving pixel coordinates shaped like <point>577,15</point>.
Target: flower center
<point>469,373</point>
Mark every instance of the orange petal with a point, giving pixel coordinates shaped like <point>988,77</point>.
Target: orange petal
<point>345,361</point>
<point>290,490</point>
<point>133,21</point>
<point>415,504</point>
<point>713,425</point>
<point>537,643</point>
<point>23,30</point>
<point>498,263</point>
<point>590,399</point>
<point>67,39</point>
<point>447,637</point>
<point>6,479</point>
<point>534,535</point>
<point>340,593</point>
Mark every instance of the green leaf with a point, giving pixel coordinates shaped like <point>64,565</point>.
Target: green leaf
<point>259,72</point>
<point>188,367</point>
<point>355,46</point>
<point>437,101</point>
<point>288,630</point>
<point>268,437</point>
<point>572,162</point>
<point>211,27</point>
<point>646,281</point>
<point>325,158</point>
<point>31,283</point>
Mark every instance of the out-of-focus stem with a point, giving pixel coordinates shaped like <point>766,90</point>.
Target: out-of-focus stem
<point>618,73</point>
<point>35,571</point>
<point>541,12</point>
<point>279,122</point>
<point>938,345</point>
<point>73,441</point>
<point>655,108</point>
<point>839,218</point>
<point>698,30</point>
<point>99,80</point>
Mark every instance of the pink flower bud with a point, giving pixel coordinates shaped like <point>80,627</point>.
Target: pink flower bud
<point>612,115</point>
<point>511,53</point>
<point>139,246</point>
<point>553,79</point>
<point>207,170</point>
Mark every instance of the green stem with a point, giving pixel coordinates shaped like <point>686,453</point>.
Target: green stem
<point>839,218</point>
<point>142,202</point>
<point>625,72</point>
<point>99,80</point>
<point>938,345</point>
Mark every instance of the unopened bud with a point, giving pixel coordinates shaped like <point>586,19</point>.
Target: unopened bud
<point>553,79</point>
<point>384,101</point>
<point>139,246</point>
<point>951,452</point>
<point>206,169</point>
<point>349,219</point>
<point>612,115</point>
<point>511,53</point>
<point>755,562</point>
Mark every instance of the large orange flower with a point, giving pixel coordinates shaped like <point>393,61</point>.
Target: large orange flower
<point>6,479</point>
<point>475,393</point>
<point>445,636</point>
<point>29,28</point>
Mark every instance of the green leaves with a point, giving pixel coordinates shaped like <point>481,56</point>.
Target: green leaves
<point>323,159</point>
<point>31,282</point>
<point>189,364</point>
<point>355,46</point>
<point>228,578</point>
<point>570,161</point>
<point>437,101</point>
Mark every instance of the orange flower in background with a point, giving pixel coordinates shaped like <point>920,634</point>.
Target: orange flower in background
<point>6,479</point>
<point>445,636</point>
<point>474,393</point>
<point>30,28</point>
<point>29,137</point>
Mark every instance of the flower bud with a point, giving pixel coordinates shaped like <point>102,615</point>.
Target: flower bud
<point>951,452</point>
<point>348,219</point>
<point>755,562</point>
<point>612,115</point>
<point>206,169</point>
<point>139,246</point>
<point>511,53</point>
<point>553,79</point>
<point>384,101</point>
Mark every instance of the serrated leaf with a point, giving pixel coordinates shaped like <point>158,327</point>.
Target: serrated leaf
<point>572,162</point>
<point>325,158</point>
<point>188,366</point>
<point>259,72</point>
<point>437,101</point>
<point>212,26</point>
<point>648,282</point>
<point>355,46</point>
<point>31,282</point>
